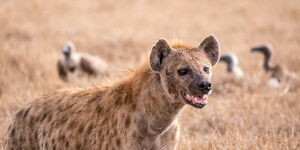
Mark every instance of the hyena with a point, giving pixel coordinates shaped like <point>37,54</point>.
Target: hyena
<point>136,113</point>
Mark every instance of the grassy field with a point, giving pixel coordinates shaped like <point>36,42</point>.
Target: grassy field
<point>242,113</point>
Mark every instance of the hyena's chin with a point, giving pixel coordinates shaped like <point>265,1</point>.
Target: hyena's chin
<point>198,101</point>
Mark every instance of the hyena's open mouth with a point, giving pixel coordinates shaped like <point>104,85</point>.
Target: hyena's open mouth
<point>198,101</point>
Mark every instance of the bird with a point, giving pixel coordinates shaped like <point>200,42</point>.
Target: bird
<point>232,63</point>
<point>73,62</point>
<point>277,72</point>
<point>235,80</point>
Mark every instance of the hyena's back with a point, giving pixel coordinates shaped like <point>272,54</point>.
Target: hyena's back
<point>60,121</point>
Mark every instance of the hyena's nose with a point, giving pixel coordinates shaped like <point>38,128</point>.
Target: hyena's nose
<point>204,86</point>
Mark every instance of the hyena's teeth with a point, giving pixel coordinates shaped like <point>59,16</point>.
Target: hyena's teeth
<point>188,96</point>
<point>196,100</point>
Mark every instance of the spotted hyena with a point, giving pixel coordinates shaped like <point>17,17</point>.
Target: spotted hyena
<point>137,113</point>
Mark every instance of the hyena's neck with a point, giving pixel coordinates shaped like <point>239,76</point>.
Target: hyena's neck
<point>156,108</point>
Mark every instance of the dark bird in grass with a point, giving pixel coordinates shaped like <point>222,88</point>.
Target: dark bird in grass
<point>276,71</point>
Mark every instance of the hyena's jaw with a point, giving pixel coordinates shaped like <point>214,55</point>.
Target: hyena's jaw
<point>198,101</point>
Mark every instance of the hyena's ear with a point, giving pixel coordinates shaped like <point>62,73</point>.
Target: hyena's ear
<point>210,46</point>
<point>159,52</point>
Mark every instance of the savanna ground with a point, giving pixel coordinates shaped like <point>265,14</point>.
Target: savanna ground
<point>245,114</point>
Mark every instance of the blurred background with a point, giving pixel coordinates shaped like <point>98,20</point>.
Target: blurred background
<point>242,113</point>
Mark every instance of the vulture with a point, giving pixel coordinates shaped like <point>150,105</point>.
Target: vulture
<point>73,62</point>
<point>276,71</point>
<point>232,62</point>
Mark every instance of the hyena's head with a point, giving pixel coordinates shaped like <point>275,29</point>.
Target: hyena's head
<point>185,72</point>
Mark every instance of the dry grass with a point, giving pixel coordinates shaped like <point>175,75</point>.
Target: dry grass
<point>241,115</point>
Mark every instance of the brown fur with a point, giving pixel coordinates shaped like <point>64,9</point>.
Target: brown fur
<point>179,44</point>
<point>137,113</point>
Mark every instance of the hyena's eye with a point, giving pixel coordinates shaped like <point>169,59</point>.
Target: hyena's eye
<point>183,72</point>
<point>206,70</point>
